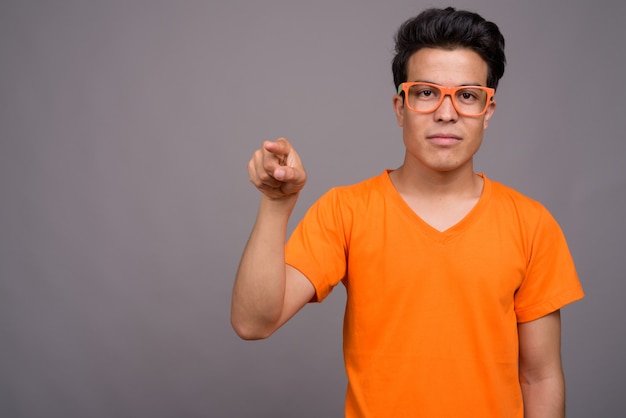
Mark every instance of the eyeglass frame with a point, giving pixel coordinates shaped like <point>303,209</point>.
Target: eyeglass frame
<point>446,91</point>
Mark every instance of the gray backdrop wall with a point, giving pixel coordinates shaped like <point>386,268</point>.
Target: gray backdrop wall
<point>125,129</point>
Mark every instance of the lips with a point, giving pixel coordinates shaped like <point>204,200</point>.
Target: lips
<point>443,139</point>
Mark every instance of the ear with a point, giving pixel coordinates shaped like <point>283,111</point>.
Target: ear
<point>489,113</point>
<point>398,108</point>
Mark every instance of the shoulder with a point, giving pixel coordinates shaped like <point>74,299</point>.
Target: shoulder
<point>359,192</point>
<point>528,212</point>
<point>346,203</point>
<point>507,196</point>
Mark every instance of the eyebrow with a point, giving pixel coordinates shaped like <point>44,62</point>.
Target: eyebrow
<point>460,85</point>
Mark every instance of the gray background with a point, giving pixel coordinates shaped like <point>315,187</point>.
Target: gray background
<point>125,129</point>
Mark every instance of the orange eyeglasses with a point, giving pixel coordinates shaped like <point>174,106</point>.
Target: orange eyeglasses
<point>424,97</point>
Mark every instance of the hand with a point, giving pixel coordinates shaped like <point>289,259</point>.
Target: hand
<point>276,170</point>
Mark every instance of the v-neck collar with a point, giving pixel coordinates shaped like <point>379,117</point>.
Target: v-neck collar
<point>450,233</point>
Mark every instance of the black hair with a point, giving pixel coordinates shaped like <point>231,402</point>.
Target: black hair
<point>449,29</point>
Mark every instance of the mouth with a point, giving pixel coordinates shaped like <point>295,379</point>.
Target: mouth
<point>443,139</point>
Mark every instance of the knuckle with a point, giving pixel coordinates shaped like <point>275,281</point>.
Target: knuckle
<point>264,177</point>
<point>268,165</point>
<point>255,181</point>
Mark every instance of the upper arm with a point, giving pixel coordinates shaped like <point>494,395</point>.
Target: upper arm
<point>540,348</point>
<point>298,292</point>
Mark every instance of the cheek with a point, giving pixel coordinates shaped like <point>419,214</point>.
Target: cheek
<point>412,122</point>
<point>412,132</point>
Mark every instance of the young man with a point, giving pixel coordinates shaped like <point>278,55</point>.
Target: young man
<point>454,281</point>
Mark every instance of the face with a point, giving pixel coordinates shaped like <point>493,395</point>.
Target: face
<point>443,141</point>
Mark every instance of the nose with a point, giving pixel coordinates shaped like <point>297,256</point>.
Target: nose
<point>446,111</point>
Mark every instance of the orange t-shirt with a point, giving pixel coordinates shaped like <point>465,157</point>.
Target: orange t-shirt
<point>431,318</point>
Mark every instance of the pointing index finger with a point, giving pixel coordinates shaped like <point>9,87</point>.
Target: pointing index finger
<point>281,148</point>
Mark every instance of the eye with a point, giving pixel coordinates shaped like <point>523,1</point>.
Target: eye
<point>469,95</point>
<point>423,92</point>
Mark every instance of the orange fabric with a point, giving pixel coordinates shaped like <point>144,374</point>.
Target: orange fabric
<point>431,317</point>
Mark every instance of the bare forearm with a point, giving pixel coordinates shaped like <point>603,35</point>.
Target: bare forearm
<point>544,398</point>
<point>259,290</point>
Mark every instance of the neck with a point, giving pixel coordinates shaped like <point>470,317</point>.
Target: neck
<point>461,183</point>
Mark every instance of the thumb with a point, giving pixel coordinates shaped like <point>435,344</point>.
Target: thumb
<point>288,174</point>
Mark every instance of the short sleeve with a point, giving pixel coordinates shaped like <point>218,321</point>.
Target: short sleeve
<point>317,247</point>
<point>551,281</point>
